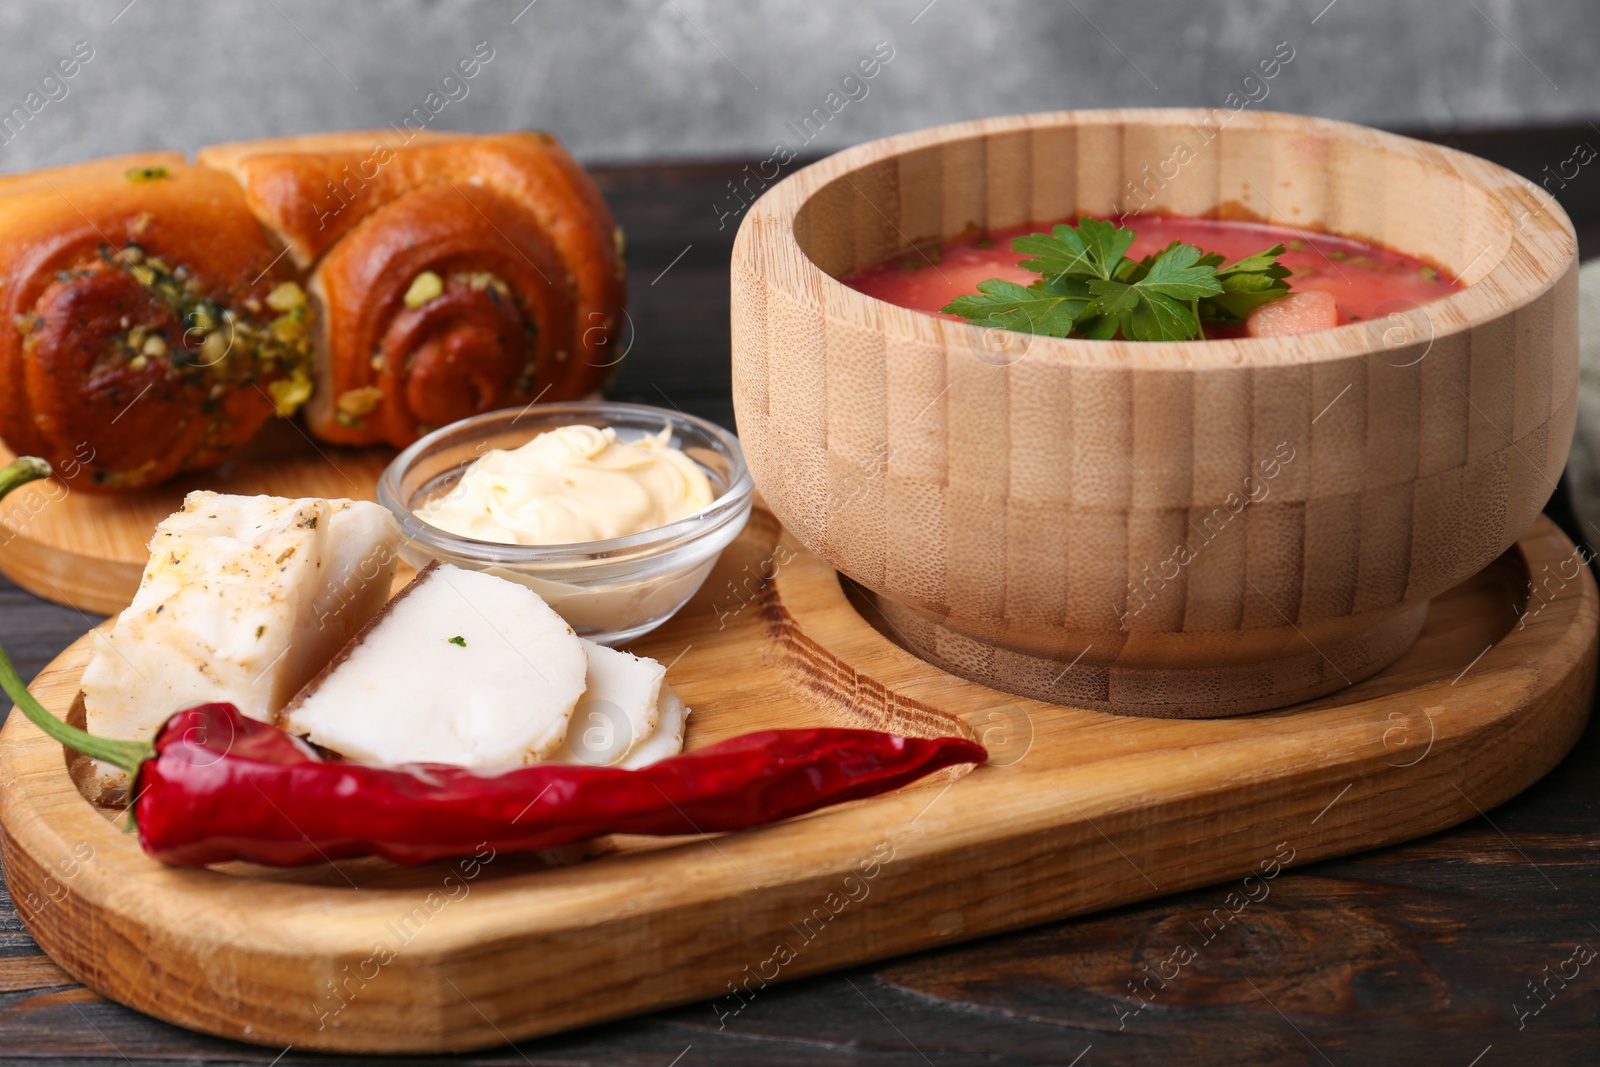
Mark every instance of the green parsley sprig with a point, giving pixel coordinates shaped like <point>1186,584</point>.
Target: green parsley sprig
<point>1088,287</point>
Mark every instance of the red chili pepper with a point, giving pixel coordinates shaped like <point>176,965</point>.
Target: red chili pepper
<point>225,787</point>
<point>217,786</point>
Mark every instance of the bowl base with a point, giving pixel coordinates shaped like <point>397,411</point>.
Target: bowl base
<point>1230,673</point>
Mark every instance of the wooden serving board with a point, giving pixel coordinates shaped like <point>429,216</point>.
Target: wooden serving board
<point>87,550</point>
<point>1077,811</point>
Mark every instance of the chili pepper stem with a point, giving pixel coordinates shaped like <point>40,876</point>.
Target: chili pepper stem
<point>21,471</point>
<point>128,755</point>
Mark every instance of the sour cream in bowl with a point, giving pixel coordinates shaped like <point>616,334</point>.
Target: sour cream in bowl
<point>572,484</point>
<point>613,513</point>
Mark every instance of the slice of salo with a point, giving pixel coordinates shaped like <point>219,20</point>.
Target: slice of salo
<point>461,667</point>
<point>243,599</point>
<point>618,710</point>
<point>667,738</point>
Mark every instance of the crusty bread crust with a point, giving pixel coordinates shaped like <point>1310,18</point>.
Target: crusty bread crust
<point>368,211</point>
<point>55,399</point>
<point>229,155</point>
<point>531,307</point>
<point>90,170</point>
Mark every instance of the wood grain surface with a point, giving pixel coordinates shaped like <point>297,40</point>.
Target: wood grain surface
<point>1197,528</point>
<point>1414,954</point>
<point>365,956</point>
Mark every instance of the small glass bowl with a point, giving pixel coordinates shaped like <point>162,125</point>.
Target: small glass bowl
<point>610,591</point>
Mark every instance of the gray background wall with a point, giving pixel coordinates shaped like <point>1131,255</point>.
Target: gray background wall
<point>626,79</point>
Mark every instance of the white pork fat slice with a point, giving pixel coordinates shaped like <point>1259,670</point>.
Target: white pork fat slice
<point>462,667</point>
<point>667,738</point>
<point>618,710</point>
<point>243,600</point>
<point>363,554</point>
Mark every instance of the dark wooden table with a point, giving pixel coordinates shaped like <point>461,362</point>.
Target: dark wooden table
<point>1426,953</point>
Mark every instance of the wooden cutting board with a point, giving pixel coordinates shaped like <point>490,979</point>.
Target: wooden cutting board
<point>87,550</point>
<point>1077,811</point>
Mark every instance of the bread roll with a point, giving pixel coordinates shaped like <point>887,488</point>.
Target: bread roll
<point>147,332</point>
<point>455,274</point>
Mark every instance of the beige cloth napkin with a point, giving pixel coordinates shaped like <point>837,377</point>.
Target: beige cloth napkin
<point>1583,465</point>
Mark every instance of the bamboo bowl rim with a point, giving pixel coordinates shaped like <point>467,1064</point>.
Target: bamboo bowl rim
<point>1539,250</point>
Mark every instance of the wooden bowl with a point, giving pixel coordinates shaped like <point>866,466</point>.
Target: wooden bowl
<point>1175,529</point>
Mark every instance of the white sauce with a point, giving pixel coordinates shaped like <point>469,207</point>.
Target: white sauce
<point>570,485</point>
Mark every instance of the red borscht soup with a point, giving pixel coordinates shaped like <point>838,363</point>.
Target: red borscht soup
<point>1364,281</point>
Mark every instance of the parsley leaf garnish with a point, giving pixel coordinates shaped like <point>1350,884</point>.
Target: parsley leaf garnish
<point>1046,307</point>
<point>1088,287</point>
<point>1157,302</point>
<point>1246,285</point>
